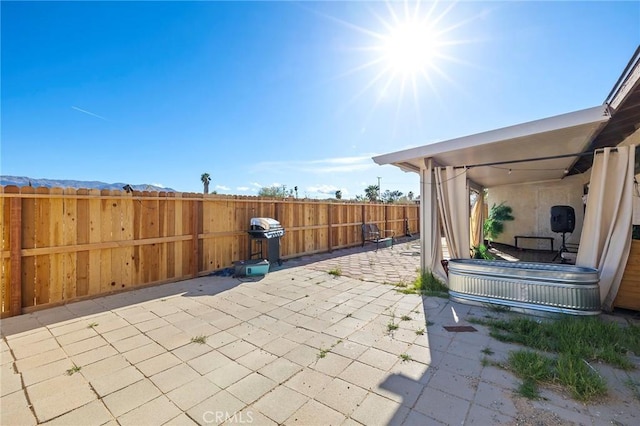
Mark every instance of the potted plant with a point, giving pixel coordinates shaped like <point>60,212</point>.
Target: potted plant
<point>494,225</point>
<point>482,252</point>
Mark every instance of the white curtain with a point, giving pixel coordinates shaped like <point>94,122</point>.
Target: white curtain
<point>453,205</point>
<point>430,240</point>
<point>606,234</point>
<point>477,221</point>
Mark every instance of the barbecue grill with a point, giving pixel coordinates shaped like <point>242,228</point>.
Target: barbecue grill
<point>261,229</point>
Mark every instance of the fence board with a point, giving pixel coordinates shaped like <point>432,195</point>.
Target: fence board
<point>195,265</point>
<point>83,225</point>
<point>28,241</point>
<point>115,211</point>
<point>187,229</point>
<point>146,230</point>
<point>10,265</point>
<point>70,238</point>
<point>43,239</point>
<point>162,232</point>
<point>127,233</point>
<point>107,279</point>
<point>152,230</point>
<point>55,214</point>
<point>5,266</point>
<point>177,247</point>
<point>170,231</point>
<point>210,214</point>
<point>95,236</point>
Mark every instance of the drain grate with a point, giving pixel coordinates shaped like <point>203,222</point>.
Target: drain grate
<point>459,328</point>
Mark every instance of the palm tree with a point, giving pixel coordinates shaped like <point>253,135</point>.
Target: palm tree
<point>494,224</point>
<point>371,192</point>
<point>205,178</point>
<point>391,196</point>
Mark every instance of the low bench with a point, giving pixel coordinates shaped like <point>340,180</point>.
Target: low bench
<point>550,239</point>
<point>371,233</point>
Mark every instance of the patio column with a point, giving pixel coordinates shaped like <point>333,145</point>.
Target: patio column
<point>430,241</point>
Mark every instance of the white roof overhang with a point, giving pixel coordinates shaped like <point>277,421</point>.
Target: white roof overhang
<point>530,152</point>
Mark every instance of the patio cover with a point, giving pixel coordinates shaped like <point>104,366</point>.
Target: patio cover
<point>536,151</point>
<point>557,136</point>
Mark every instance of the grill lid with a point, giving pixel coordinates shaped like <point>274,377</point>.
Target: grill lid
<point>264,224</point>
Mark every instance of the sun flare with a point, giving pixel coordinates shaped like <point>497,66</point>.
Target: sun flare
<point>406,53</point>
<point>410,48</point>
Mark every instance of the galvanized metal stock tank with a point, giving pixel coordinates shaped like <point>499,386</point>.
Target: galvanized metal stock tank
<point>545,287</point>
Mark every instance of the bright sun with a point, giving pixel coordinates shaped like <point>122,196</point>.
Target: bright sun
<point>410,48</point>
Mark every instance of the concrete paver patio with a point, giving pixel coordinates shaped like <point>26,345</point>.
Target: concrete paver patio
<point>299,346</point>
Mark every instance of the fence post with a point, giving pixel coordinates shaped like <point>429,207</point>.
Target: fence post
<point>386,223</point>
<point>329,219</point>
<point>406,222</point>
<point>195,226</point>
<point>15,236</point>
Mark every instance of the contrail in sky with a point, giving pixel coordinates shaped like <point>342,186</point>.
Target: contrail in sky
<point>89,112</point>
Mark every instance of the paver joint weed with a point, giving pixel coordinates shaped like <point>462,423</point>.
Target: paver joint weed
<point>73,370</point>
<point>323,352</point>
<point>405,357</point>
<point>199,339</point>
<point>336,272</point>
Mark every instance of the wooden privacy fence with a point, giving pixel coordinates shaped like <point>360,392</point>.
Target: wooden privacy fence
<point>60,245</point>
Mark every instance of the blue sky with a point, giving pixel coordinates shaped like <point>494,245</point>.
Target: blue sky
<point>286,93</point>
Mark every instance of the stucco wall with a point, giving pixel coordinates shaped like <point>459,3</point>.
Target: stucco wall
<point>531,204</point>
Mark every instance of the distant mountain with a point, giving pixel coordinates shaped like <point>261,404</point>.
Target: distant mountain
<point>61,183</point>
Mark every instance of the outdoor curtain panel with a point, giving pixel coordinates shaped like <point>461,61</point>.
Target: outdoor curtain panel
<point>453,206</point>
<point>606,233</point>
<point>431,242</point>
<point>477,219</point>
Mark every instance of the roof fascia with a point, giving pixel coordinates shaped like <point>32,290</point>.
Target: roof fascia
<point>590,115</point>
